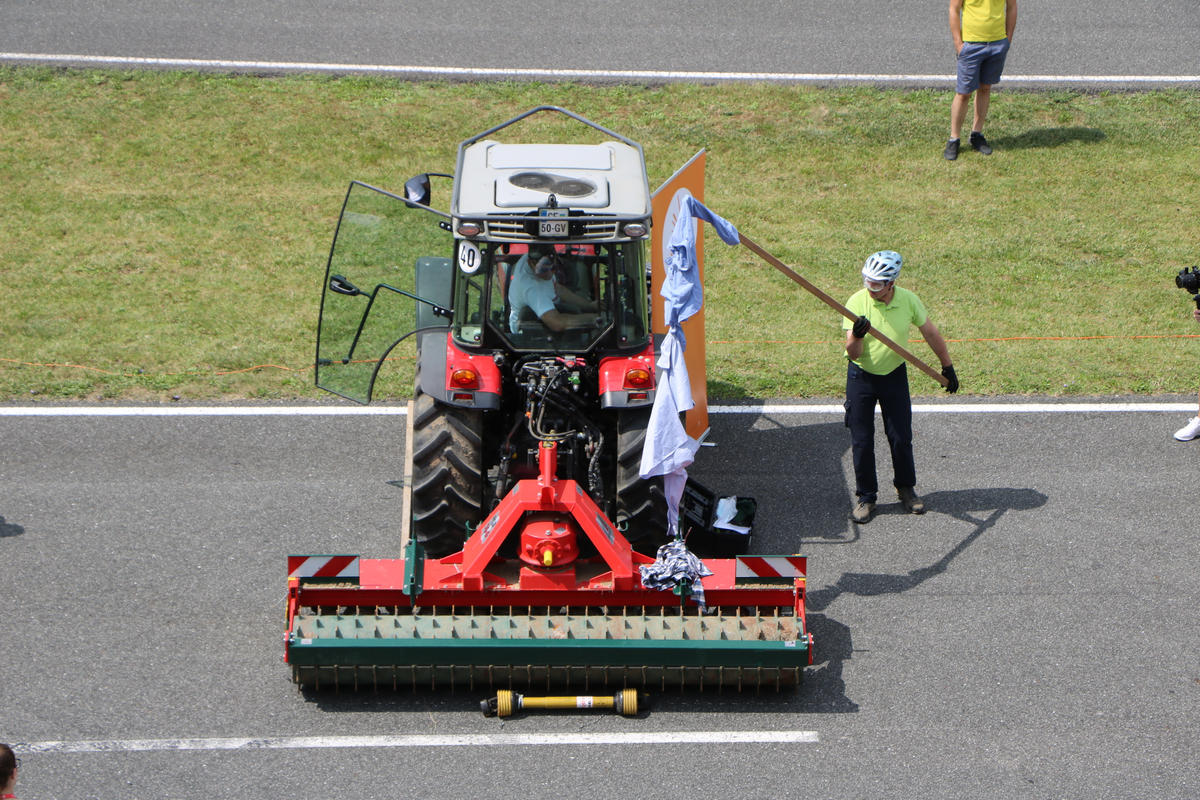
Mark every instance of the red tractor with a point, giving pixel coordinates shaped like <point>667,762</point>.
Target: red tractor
<point>530,555</point>
<point>494,380</point>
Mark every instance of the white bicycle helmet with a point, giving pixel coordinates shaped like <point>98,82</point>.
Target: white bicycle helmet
<point>883,266</point>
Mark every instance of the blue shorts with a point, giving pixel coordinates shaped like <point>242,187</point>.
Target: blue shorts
<point>980,62</point>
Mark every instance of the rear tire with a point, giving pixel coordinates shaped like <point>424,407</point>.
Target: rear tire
<point>447,474</point>
<point>641,504</point>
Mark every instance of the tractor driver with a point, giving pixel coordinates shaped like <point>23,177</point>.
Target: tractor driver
<point>535,287</point>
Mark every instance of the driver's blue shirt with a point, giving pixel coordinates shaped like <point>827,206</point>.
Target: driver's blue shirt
<point>528,291</point>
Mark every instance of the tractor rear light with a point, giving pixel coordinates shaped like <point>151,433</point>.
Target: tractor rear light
<point>635,230</point>
<point>639,395</point>
<point>463,397</point>
<point>469,229</point>
<point>637,379</point>
<point>464,379</point>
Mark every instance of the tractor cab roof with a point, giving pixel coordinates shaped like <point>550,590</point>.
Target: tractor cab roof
<point>495,179</point>
<point>498,178</point>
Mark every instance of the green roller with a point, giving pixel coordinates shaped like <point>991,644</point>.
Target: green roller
<point>727,649</point>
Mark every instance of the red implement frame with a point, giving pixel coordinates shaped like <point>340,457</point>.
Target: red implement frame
<point>476,576</point>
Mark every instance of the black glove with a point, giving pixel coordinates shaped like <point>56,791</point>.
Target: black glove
<point>861,326</point>
<point>949,374</point>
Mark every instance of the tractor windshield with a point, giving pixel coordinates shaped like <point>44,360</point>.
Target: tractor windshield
<point>596,291</point>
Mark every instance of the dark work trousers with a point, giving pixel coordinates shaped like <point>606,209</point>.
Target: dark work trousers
<point>863,391</point>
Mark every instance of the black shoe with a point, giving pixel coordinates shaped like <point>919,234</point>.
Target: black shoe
<point>979,143</point>
<point>951,151</point>
<point>912,503</point>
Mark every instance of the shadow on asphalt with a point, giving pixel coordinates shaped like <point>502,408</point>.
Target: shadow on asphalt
<point>9,528</point>
<point>965,505</point>
<point>804,461</point>
<point>822,692</point>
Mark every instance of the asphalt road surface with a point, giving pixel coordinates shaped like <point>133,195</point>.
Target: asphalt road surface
<point>1033,635</point>
<point>1073,41</point>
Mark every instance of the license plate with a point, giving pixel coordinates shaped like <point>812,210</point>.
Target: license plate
<point>553,222</point>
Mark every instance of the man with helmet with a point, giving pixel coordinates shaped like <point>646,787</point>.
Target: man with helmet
<point>877,374</point>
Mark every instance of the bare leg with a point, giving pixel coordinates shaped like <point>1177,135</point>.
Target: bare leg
<point>982,98</point>
<point>958,114</point>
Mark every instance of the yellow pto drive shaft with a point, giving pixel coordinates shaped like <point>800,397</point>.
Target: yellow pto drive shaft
<point>506,702</point>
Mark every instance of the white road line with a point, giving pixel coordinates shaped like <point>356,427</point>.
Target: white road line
<point>972,408</point>
<point>201,411</point>
<point>757,410</point>
<point>419,740</point>
<point>470,73</point>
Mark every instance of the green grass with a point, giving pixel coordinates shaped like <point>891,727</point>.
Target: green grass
<point>165,234</point>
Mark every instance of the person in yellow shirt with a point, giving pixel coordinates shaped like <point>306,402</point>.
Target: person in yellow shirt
<point>982,31</point>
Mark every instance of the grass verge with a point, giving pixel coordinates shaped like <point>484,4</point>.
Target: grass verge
<point>164,234</point>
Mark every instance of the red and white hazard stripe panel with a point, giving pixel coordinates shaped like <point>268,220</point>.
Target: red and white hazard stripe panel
<point>770,566</point>
<point>322,566</point>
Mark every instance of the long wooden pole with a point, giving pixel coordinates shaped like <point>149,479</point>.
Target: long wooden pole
<point>841,309</point>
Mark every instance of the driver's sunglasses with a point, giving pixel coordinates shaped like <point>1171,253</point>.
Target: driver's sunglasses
<point>876,286</point>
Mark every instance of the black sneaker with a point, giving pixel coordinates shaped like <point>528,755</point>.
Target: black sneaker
<point>979,143</point>
<point>912,503</point>
<point>951,151</point>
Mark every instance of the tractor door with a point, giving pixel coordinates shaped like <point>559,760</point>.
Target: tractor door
<point>372,298</point>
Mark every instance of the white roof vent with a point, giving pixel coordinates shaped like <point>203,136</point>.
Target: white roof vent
<point>561,185</point>
<point>533,188</point>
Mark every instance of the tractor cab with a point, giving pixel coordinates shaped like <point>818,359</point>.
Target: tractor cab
<point>587,206</point>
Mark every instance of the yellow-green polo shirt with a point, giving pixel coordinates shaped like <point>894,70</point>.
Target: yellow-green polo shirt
<point>892,320</point>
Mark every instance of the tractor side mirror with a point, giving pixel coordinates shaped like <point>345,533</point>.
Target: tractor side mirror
<point>339,284</point>
<point>416,190</point>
